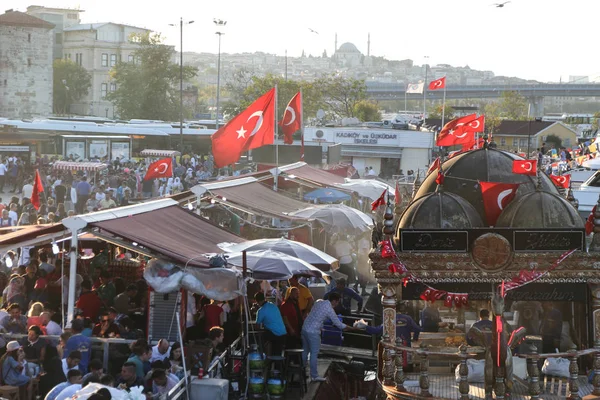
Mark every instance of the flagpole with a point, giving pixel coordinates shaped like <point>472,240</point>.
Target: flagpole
<point>405,99</point>
<point>444,104</point>
<point>302,124</point>
<point>425,94</point>
<point>276,185</point>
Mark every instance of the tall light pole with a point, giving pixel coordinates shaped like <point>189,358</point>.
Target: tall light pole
<point>219,24</point>
<point>181,23</point>
<point>425,89</point>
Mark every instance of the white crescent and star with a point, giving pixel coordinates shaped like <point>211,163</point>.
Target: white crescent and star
<point>242,132</point>
<point>291,110</point>
<point>561,179</point>
<point>160,165</point>
<point>438,83</point>
<point>503,194</point>
<point>475,126</point>
<point>527,166</point>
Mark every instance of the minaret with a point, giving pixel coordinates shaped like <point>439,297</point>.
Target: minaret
<point>335,49</point>
<point>369,45</point>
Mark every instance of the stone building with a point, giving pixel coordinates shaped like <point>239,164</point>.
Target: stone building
<point>25,65</point>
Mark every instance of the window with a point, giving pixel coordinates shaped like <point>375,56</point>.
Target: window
<point>79,58</point>
<point>72,16</point>
<point>515,142</point>
<point>29,37</point>
<point>522,142</point>
<point>104,60</point>
<point>103,90</point>
<point>502,141</point>
<point>130,58</point>
<point>113,87</point>
<point>113,60</point>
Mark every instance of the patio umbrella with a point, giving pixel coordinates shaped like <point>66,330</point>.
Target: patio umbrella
<point>311,255</point>
<point>326,195</point>
<point>370,188</point>
<point>273,265</point>
<point>336,215</point>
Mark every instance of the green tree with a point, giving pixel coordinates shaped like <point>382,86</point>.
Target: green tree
<point>70,83</point>
<point>513,106</point>
<point>366,110</point>
<point>436,112</point>
<point>595,121</point>
<point>341,95</point>
<point>149,89</point>
<point>554,140</point>
<point>492,117</point>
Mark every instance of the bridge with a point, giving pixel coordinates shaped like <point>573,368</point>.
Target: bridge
<point>533,92</point>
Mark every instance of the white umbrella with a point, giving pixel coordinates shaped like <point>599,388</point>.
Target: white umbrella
<point>370,188</point>
<point>336,215</point>
<point>311,255</point>
<point>273,265</point>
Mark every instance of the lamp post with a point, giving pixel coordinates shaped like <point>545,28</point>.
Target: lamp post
<point>220,24</point>
<point>181,23</point>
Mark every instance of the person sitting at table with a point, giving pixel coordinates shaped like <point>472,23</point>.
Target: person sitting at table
<point>269,316</point>
<point>484,324</point>
<point>346,294</point>
<point>430,318</point>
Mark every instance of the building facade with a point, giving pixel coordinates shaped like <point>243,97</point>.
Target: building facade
<point>98,48</point>
<point>513,135</point>
<point>61,18</point>
<point>25,65</point>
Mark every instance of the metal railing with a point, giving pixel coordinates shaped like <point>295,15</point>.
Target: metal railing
<point>391,373</point>
<point>180,389</point>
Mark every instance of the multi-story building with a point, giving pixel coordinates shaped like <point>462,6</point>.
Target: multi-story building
<point>98,48</point>
<point>25,65</point>
<point>61,18</point>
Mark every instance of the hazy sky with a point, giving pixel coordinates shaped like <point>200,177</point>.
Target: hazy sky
<point>533,39</point>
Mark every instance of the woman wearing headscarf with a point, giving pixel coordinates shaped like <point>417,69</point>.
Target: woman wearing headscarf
<point>177,186</point>
<point>16,292</point>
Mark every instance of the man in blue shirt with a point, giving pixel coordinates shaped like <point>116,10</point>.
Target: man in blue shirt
<point>274,329</point>
<point>485,325</point>
<point>347,294</point>
<point>80,343</point>
<point>83,189</point>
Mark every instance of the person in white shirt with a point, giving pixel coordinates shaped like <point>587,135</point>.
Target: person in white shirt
<point>52,328</point>
<point>12,213</point>
<point>71,362</point>
<point>161,351</point>
<point>27,190</point>
<point>3,171</point>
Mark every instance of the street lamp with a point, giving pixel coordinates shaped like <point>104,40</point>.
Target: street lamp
<point>220,24</point>
<point>181,23</point>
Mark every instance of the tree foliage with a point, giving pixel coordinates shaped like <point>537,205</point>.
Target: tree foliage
<point>436,112</point>
<point>341,95</point>
<point>366,110</point>
<point>149,87</point>
<point>70,83</point>
<point>554,140</point>
<point>513,106</point>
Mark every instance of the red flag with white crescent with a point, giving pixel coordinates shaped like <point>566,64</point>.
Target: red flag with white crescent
<point>379,202</point>
<point>292,118</point>
<point>434,165</point>
<point>525,167</point>
<point>496,196</point>
<point>452,133</point>
<point>160,169</point>
<point>562,181</point>
<point>438,84</point>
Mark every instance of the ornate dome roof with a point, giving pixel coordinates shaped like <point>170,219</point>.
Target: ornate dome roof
<point>347,48</point>
<point>540,209</point>
<point>440,210</point>
<point>464,172</point>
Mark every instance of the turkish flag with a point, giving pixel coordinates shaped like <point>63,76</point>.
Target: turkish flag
<point>496,196</point>
<point>440,178</point>
<point>561,180</point>
<point>525,167</point>
<point>160,169</point>
<point>589,223</point>
<point>397,196</point>
<point>452,134</point>
<point>37,189</point>
<point>252,128</point>
<point>474,145</point>
<point>434,165</point>
<point>379,202</point>
<point>292,119</point>
<point>438,84</point>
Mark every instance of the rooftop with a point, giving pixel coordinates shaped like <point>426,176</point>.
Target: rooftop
<point>97,25</point>
<point>17,18</point>
<point>42,8</point>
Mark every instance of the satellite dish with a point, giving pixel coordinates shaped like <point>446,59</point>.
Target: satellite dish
<point>320,114</point>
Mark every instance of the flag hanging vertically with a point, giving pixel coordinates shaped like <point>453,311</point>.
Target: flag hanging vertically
<point>252,128</point>
<point>292,119</point>
<point>397,195</point>
<point>38,188</point>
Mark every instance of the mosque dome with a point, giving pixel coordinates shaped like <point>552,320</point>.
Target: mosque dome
<point>539,209</point>
<point>348,48</point>
<point>464,172</point>
<point>440,210</point>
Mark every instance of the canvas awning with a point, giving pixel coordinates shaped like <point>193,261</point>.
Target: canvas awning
<point>248,193</point>
<point>305,172</point>
<point>31,235</point>
<point>174,232</point>
<point>79,166</point>
<point>159,153</point>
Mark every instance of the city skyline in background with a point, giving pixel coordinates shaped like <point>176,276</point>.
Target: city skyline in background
<point>522,39</point>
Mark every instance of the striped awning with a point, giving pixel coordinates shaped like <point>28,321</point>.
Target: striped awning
<point>159,153</point>
<point>79,166</point>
